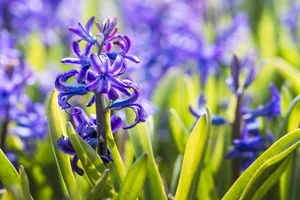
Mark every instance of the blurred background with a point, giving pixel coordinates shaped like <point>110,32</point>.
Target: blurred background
<point>185,48</point>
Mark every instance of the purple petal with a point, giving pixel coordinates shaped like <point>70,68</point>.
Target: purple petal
<point>112,95</point>
<point>71,61</point>
<point>133,58</point>
<point>96,63</point>
<point>76,49</point>
<point>79,116</point>
<point>89,24</point>
<point>65,145</point>
<point>115,122</point>
<point>75,166</point>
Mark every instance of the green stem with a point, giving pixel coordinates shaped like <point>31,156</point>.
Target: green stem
<point>121,169</point>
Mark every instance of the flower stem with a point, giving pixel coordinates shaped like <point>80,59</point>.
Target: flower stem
<point>236,129</point>
<point>101,126</point>
<point>4,128</point>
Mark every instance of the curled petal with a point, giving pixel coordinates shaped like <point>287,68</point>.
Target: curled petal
<point>112,95</point>
<point>116,123</point>
<point>140,115</point>
<point>65,145</point>
<point>76,49</point>
<point>75,167</point>
<point>79,116</point>
<point>91,102</point>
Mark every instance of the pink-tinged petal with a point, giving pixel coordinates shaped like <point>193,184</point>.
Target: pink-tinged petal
<point>108,46</point>
<point>76,49</point>
<point>96,63</point>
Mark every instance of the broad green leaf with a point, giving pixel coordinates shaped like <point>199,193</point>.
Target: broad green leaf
<point>24,183</point>
<point>286,98</point>
<point>62,160</point>
<point>90,160</point>
<point>284,125</point>
<point>266,34</point>
<point>217,155</point>
<point>118,162</point>
<point>8,174</point>
<point>13,192</point>
<point>267,175</point>
<point>134,180</point>
<point>139,136</point>
<point>288,72</point>
<point>129,154</point>
<point>97,190</point>
<point>206,187</point>
<point>178,130</point>
<point>193,159</point>
<point>287,142</point>
<point>176,174</point>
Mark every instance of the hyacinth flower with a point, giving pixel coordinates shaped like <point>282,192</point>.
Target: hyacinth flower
<point>86,128</point>
<point>31,123</point>
<point>100,73</point>
<point>269,110</point>
<point>216,119</point>
<point>248,147</point>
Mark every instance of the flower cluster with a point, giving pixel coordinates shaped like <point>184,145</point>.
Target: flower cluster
<point>100,72</point>
<point>20,116</point>
<point>87,130</point>
<point>100,68</point>
<point>22,17</point>
<point>251,142</point>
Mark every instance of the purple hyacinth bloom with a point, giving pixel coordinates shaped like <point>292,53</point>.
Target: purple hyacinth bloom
<point>86,128</point>
<point>216,119</point>
<point>248,147</point>
<point>105,78</point>
<point>82,59</point>
<point>269,110</point>
<point>107,28</point>
<point>124,43</point>
<point>31,123</point>
<point>85,32</point>
<point>66,91</point>
<point>130,102</point>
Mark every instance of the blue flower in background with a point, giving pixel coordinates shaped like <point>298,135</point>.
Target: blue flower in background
<point>86,128</point>
<point>248,147</point>
<point>216,120</point>
<point>269,110</point>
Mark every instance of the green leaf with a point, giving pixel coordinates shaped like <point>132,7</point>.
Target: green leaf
<point>134,180</point>
<point>24,184</point>
<point>287,143</point>
<point>90,160</point>
<point>206,187</point>
<point>139,136</point>
<point>193,159</point>
<point>97,190</point>
<point>288,72</point>
<point>62,160</point>
<point>267,175</point>
<point>178,130</point>
<point>14,192</point>
<point>284,125</point>
<point>118,162</point>
<point>8,174</point>
<point>176,174</point>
